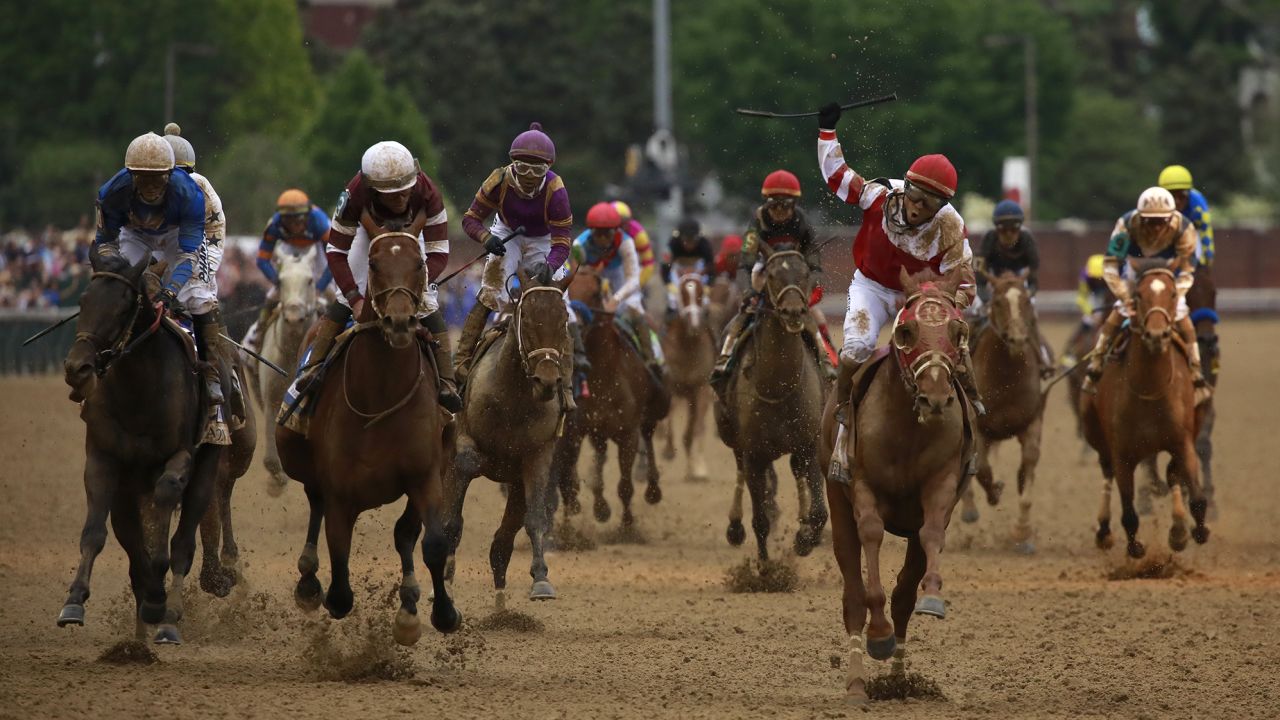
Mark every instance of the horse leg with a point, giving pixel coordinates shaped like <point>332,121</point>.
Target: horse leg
<point>844,540</point>
<point>669,433</point>
<point>338,524</point>
<point>126,522</point>
<point>600,506</point>
<point>736,533</point>
<point>880,640</point>
<point>771,493</point>
<point>1029,440</point>
<point>214,579</point>
<point>626,462</point>
<point>1128,516</point>
<point>757,486</point>
<point>537,524</point>
<point>101,483</point>
<point>407,628</point>
<point>430,502</point>
<point>196,501</point>
<point>1178,529</point>
<point>271,453</point>
<point>937,499</point>
<point>695,437</point>
<point>903,602</point>
<point>986,475</point>
<point>1189,463</point>
<point>453,524</point>
<point>503,542</point>
<point>804,463</point>
<point>1204,452</point>
<point>564,466</point>
<point>308,591</point>
<point>1103,537</point>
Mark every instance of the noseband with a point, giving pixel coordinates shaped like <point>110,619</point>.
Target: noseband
<point>776,297</point>
<point>933,312</point>
<point>379,299</point>
<point>530,359</point>
<point>103,358</point>
<point>1146,316</point>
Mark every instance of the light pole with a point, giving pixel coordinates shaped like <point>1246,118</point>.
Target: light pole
<point>1030,109</point>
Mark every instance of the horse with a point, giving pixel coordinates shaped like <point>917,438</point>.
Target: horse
<point>1007,364</point>
<point>1145,403</point>
<point>512,412</point>
<point>220,568</point>
<point>142,400</point>
<point>772,404</point>
<point>281,341</point>
<point>625,405</point>
<point>689,345</point>
<point>377,434</point>
<point>723,300</point>
<point>907,448</point>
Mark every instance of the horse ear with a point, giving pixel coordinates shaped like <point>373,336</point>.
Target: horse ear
<point>909,284</point>
<point>766,250</point>
<point>136,271</point>
<point>563,284</point>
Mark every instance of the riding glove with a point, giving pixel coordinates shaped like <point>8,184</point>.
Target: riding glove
<point>828,116</point>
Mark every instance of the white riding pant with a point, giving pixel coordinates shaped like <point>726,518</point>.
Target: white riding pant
<point>871,305</point>
<point>522,254</point>
<point>358,261</point>
<point>200,294</point>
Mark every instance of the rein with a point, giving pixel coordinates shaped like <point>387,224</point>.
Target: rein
<point>776,297</point>
<point>375,417</point>
<point>531,358</point>
<point>127,342</point>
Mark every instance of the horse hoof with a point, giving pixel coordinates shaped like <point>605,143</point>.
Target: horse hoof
<point>1201,534</point>
<point>1026,547</point>
<point>338,607</point>
<point>72,614</point>
<point>277,484</point>
<point>1103,539</point>
<point>930,605</point>
<point>601,510</point>
<point>307,593</point>
<point>697,478</point>
<point>446,619</point>
<point>969,515</point>
<point>167,635</point>
<point>806,541</point>
<point>736,534</point>
<point>883,648</point>
<point>542,590</point>
<point>151,613</point>
<point>653,494</point>
<point>217,582</point>
<point>1178,537</point>
<point>407,628</point>
<point>1136,549</point>
<point>993,496</point>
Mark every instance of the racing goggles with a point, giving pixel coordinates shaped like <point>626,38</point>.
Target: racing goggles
<point>528,169</point>
<point>1010,225</point>
<point>785,203</point>
<point>920,196</point>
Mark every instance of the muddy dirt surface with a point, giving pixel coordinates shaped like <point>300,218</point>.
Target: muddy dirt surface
<point>649,630</point>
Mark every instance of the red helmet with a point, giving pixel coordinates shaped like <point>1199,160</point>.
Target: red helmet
<point>934,173</point>
<point>780,182</point>
<point>731,244</point>
<point>603,216</point>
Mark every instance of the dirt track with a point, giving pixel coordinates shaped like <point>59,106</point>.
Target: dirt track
<point>646,631</point>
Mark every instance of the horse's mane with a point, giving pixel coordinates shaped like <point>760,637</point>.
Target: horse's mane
<point>1145,265</point>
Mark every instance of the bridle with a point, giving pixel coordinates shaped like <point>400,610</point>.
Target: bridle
<point>379,299</point>
<point>530,358</point>
<point>776,295</point>
<point>1002,332</point>
<point>125,344</point>
<point>931,311</point>
<point>1157,309</point>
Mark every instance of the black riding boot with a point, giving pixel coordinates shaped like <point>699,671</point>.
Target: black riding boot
<point>207,342</point>
<point>441,349</point>
<point>335,318</point>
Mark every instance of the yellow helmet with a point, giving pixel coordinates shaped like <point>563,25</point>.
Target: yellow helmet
<point>1175,177</point>
<point>293,202</point>
<point>623,209</point>
<point>1093,267</point>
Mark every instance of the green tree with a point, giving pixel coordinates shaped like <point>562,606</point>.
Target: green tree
<point>63,177</point>
<point>252,172</point>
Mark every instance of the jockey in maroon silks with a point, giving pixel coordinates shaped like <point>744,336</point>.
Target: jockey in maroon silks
<point>522,217</point>
<point>389,194</point>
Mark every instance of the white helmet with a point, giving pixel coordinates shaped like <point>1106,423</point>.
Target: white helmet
<point>149,153</point>
<point>389,167</point>
<point>183,154</point>
<point>1156,202</point>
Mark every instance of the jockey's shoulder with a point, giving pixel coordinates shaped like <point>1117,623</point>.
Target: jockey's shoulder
<point>492,182</point>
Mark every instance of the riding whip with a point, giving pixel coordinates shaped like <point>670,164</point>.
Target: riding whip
<point>51,328</point>
<point>1045,393</point>
<point>255,356</point>
<point>518,231</point>
<point>849,106</point>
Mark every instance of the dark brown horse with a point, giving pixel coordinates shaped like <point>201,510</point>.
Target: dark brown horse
<point>906,452</point>
<point>1145,404</point>
<point>377,434</point>
<point>220,566</point>
<point>772,404</point>
<point>1007,364</point>
<point>690,348</point>
<point>511,413</point>
<point>142,402</point>
<point>624,406</point>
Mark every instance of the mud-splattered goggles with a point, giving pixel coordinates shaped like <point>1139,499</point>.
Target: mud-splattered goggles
<point>916,194</point>
<point>528,169</point>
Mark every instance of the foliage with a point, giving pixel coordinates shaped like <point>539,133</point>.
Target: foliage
<point>68,175</point>
<point>251,173</point>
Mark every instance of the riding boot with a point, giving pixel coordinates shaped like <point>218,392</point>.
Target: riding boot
<point>236,395</point>
<point>472,327</point>
<point>720,373</point>
<point>838,470</point>
<point>442,351</point>
<point>844,386</point>
<point>1098,356</point>
<point>1187,332</point>
<point>964,375</point>
<point>207,343</point>
<point>326,334</point>
<point>253,340</point>
<point>568,360</point>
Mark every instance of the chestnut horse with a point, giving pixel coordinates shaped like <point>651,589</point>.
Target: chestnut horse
<point>376,435</point>
<point>511,414</point>
<point>772,404</point>
<point>906,451</point>
<point>142,402</point>
<point>1006,360</point>
<point>1145,403</point>
<point>690,348</point>
<point>625,405</point>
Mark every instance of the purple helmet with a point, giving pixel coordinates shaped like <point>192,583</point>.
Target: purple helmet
<point>534,143</point>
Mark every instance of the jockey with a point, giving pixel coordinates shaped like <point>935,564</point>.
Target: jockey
<point>687,247</point>
<point>1009,247</point>
<point>907,223</point>
<point>148,209</point>
<point>1202,303</point>
<point>728,257</point>
<point>609,250</point>
<point>1091,298</point>
<point>781,224</point>
<point>1154,230</point>
<point>390,193</point>
<point>301,226</point>
<point>523,195</point>
<point>644,248</point>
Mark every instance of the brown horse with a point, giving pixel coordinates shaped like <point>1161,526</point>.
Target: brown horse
<point>724,298</point>
<point>512,411</point>
<point>1145,404</point>
<point>625,405</point>
<point>220,555</point>
<point>772,404</point>
<point>377,434</point>
<point>690,348</point>
<point>906,452</point>
<point>1007,364</point>
<point>142,403</point>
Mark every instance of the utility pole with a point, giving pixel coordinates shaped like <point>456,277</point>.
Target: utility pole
<point>171,71</point>
<point>661,148</point>
<point>1032,117</point>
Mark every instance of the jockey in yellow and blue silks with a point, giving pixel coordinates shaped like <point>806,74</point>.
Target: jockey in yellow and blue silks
<point>296,227</point>
<point>1193,206</point>
<point>1203,300</point>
